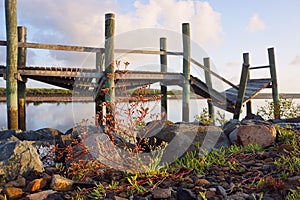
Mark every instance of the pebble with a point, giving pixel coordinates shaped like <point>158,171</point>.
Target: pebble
<point>185,194</point>
<point>221,191</point>
<point>162,193</point>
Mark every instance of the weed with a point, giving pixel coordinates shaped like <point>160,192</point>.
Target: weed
<point>132,179</point>
<point>293,194</point>
<point>97,192</point>
<point>288,109</point>
<point>203,195</point>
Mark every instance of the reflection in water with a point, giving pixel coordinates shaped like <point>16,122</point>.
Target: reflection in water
<point>63,116</point>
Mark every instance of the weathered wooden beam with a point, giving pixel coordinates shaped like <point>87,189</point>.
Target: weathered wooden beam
<point>53,73</point>
<point>273,73</point>
<point>11,63</point>
<point>242,86</point>
<point>109,64</point>
<point>214,74</point>
<point>164,68</point>
<point>186,71</point>
<point>60,47</point>
<point>208,80</point>
<point>22,32</point>
<point>91,49</point>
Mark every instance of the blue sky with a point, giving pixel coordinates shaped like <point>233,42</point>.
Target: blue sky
<point>224,29</point>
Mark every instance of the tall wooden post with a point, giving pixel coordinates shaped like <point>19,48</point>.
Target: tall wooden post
<point>211,109</point>
<point>99,100</point>
<point>109,63</point>
<point>22,31</point>
<point>11,63</point>
<point>164,68</point>
<point>186,71</point>
<point>242,86</point>
<point>275,93</point>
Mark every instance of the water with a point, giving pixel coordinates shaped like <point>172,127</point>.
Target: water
<point>63,116</point>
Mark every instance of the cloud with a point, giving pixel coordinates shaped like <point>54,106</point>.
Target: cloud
<point>81,22</point>
<point>255,24</point>
<point>295,61</point>
<point>233,63</point>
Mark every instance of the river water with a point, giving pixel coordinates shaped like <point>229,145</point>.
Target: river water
<point>63,116</point>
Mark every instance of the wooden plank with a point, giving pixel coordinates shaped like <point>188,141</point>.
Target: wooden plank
<point>214,74</point>
<point>254,86</point>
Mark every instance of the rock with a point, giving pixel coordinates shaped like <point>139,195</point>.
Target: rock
<point>252,116</point>
<point>238,196</point>
<point>185,194</point>
<point>231,125</point>
<point>233,136</point>
<point>60,183</point>
<point>36,184</point>
<point>41,135</point>
<point>119,198</point>
<point>13,193</point>
<point>20,182</point>
<point>18,158</point>
<point>182,138</point>
<point>263,135</point>
<point>221,191</point>
<point>162,193</point>
<point>255,122</point>
<point>6,135</point>
<point>40,195</point>
<point>202,182</point>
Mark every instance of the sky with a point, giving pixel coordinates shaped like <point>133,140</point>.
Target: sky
<point>222,30</point>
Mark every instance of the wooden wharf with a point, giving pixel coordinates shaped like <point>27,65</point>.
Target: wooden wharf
<point>93,81</point>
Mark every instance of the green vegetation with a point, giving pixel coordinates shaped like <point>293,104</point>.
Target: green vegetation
<point>204,118</point>
<point>41,91</point>
<point>288,109</point>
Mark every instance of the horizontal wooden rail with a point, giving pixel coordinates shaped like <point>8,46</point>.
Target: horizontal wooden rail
<point>214,74</point>
<point>89,49</point>
<point>260,67</point>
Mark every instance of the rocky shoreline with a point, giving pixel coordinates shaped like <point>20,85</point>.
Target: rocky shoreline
<point>40,172</point>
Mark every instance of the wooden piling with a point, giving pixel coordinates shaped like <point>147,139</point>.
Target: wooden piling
<point>186,71</point>
<point>11,63</point>
<point>208,80</point>
<point>275,93</point>
<point>109,63</point>
<point>164,68</point>
<point>22,32</point>
<point>242,86</point>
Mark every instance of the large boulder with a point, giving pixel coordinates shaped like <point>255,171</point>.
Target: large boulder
<point>185,137</point>
<point>263,135</point>
<point>19,158</point>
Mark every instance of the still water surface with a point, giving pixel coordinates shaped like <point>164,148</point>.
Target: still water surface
<point>63,116</point>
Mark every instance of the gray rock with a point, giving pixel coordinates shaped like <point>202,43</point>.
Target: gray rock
<point>233,136</point>
<point>162,193</point>
<point>238,196</point>
<point>185,194</point>
<point>182,138</point>
<point>221,191</point>
<point>19,158</point>
<point>230,126</point>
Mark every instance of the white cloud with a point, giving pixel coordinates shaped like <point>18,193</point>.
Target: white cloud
<point>81,22</point>
<point>295,61</point>
<point>255,24</point>
<point>233,63</point>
